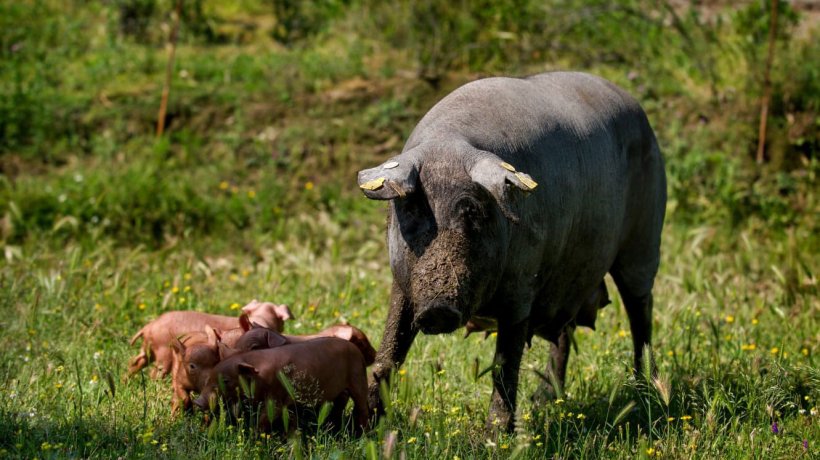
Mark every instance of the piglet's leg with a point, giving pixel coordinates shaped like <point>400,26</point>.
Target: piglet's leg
<point>509,347</point>
<point>358,392</point>
<point>399,333</point>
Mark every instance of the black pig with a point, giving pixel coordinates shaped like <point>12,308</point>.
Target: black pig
<point>510,201</point>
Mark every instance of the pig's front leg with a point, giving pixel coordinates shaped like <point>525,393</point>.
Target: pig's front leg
<point>509,347</point>
<point>399,333</point>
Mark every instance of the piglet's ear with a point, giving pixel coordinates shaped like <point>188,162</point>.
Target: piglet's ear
<point>276,339</point>
<point>213,336</point>
<point>395,178</point>
<point>251,307</point>
<point>177,346</point>
<point>247,369</point>
<point>283,312</point>
<point>225,351</point>
<point>245,322</point>
<point>345,333</point>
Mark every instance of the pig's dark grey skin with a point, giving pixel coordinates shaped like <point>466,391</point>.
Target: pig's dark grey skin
<point>511,200</point>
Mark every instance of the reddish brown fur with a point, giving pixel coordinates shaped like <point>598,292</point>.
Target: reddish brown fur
<point>259,338</point>
<point>197,356</point>
<point>326,369</point>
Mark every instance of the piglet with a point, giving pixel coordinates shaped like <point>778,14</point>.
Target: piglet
<point>259,337</point>
<point>161,332</point>
<point>321,370</point>
<point>194,355</point>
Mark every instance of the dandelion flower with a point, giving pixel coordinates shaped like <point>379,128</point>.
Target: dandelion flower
<point>774,350</point>
<point>730,319</point>
<point>223,185</point>
<point>308,187</point>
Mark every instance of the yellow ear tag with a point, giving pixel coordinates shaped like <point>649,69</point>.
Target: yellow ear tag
<point>531,184</point>
<point>374,184</point>
<point>507,166</point>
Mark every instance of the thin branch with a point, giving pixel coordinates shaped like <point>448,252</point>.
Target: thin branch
<point>169,69</point>
<point>767,85</point>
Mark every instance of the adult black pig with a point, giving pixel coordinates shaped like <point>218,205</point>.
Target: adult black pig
<point>511,200</point>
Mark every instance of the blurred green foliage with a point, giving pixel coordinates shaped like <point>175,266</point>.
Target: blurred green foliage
<point>275,94</point>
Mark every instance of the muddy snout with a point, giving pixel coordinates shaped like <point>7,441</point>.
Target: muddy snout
<point>438,319</point>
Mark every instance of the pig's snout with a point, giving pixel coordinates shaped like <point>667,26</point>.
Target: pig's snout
<point>438,319</point>
<point>204,403</point>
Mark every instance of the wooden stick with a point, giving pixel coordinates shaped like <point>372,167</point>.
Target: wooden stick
<point>767,85</point>
<point>169,69</point>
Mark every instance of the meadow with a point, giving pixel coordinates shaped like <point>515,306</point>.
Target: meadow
<point>251,193</point>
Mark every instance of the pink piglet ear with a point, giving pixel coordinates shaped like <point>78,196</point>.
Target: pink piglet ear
<point>283,312</point>
<point>177,346</point>
<point>251,307</point>
<point>213,336</point>
<point>344,332</point>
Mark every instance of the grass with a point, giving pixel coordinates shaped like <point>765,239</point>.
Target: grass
<point>736,324</point>
<point>252,195</point>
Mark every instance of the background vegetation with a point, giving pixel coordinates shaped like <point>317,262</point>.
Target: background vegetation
<point>251,194</point>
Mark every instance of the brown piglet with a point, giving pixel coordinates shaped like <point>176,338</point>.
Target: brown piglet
<point>321,370</point>
<point>259,337</point>
<point>196,354</point>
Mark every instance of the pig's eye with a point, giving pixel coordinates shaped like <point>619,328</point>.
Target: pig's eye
<point>192,366</point>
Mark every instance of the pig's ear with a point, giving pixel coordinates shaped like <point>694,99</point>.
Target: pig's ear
<point>177,346</point>
<point>493,173</point>
<point>395,178</point>
<point>276,339</point>
<point>247,369</point>
<point>345,333</point>
<point>225,351</point>
<point>251,307</point>
<point>213,336</point>
<point>245,322</point>
<point>282,311</point>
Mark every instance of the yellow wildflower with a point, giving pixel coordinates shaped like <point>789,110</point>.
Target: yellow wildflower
<point>730,319</point>
<point>774,350</point>
<point>235,306</point>
<point>309,186</point>
<point>223,185</point>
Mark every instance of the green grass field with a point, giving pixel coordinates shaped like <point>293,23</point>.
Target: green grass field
<point>252,194</point>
